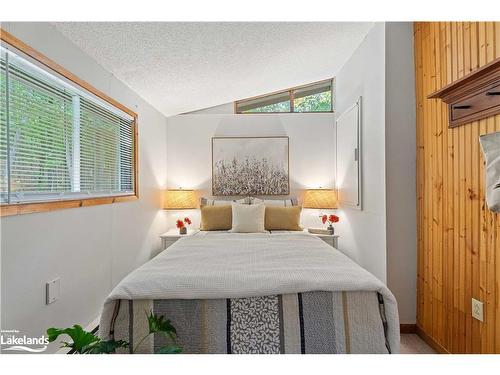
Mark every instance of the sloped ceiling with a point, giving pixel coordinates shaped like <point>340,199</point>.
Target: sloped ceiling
<point>179,67</point>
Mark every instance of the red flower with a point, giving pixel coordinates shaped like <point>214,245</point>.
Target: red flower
<point>187,221</point>
<point>333,219</point>
<point>324,218</point>
<point>179,224</point>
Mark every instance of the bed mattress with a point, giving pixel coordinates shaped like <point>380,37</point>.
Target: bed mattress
<point>255,293</point>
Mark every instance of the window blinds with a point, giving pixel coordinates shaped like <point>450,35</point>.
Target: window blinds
<point>57,141</point>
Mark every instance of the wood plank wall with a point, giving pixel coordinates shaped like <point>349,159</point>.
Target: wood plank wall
<point>458,237</point>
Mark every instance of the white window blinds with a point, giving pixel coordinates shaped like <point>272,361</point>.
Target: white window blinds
<point>58,141</point>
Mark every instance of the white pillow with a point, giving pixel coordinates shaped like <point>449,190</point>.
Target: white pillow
<point>248,218</point>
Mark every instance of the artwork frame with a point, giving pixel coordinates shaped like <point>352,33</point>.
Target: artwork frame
<point>250,150</point>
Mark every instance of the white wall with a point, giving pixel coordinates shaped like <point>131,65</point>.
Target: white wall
<point>400,150</point>
<point>223,109</point>
<point>382,236</point>
<point>312,149</point>
<point>90,249</point>
<point>364,231</point>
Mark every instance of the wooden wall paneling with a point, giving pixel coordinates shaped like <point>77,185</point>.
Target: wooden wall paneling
<point>426,61</point>
<point>449,199</point>
<point>468,144</point>
<point>475,195</point>
<point>482,241</point>
<point>437,207</point>
<point>496,270</point>
<point>433,248</point>
<point>458,241</point>
<point>456,207</point>
<point>420,170</point>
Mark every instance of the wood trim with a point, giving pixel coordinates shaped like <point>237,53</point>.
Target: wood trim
<point>290,91</point>
<point>407,328</point>
<point>23,47</point>
<point>24,208</point>
<point>29,208</point>
<point>280,113</point>
<point>472,97</point>
<point>430,341</point>
<point>482,76</point>
<point>136,157</point>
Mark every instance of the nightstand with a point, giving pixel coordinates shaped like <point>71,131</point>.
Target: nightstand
<point>173,235</point>
<point>330,239</point>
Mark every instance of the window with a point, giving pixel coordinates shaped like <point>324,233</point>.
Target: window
<point>59,141</point>
<point>315,97</point>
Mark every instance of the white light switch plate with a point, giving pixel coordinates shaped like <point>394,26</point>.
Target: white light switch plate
<point>53,290</point>
<point>477,310</point>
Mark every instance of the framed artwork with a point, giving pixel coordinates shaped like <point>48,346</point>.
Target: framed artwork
<point>250,166</point>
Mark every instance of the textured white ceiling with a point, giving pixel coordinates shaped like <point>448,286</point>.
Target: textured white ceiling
<point>180,67</point>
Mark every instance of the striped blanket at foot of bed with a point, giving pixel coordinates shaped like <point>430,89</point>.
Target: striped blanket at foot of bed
<point>311,322</point>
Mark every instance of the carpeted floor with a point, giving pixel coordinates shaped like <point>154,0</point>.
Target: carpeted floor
<point>412,344</point>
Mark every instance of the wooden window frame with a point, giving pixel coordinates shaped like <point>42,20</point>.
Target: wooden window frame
<point>290,95</point>
<point>7,209</point>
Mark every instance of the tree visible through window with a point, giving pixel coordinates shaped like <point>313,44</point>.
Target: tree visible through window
<point>58,141</point>
<point>315,97</point>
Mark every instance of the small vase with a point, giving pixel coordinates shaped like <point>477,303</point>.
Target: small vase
<point>331,229</point>
<point>183,230</point>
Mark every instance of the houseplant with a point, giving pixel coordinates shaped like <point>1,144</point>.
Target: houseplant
<point>83,342</point>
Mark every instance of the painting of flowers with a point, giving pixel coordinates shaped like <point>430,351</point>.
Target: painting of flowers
<point>250,166</point>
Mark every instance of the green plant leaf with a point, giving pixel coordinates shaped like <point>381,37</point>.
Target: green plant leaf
<point>170,349</point>
<point>106,347</point>
<point>81,339</point>
<point>85,342</point>
<point>160,324</point>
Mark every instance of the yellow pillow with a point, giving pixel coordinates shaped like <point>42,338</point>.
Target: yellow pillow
<point>282,218</point>
<point>216,217</point>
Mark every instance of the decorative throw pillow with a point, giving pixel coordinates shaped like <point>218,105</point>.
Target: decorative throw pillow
<point>282,218</point>
<point>248,218</point>
<point>216,217</point>
<point>490,144</point>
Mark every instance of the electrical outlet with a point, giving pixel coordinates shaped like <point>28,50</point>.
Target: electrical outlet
<point>53,290</point>
<point>477,310</point>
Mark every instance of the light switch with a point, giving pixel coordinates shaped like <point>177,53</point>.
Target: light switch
<point>53,290</point>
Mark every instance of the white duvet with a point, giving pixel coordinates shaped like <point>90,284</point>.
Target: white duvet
<point>231,265</point>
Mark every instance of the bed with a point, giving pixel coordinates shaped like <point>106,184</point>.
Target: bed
<point>254,293</point>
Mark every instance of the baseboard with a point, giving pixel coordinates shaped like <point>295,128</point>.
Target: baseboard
<point>431,342</point>
<point>408,328</point>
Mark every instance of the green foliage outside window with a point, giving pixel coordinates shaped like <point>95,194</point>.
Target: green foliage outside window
<point>320,99</point>
<point>277,107</point>
<point>321,102</point>
<point>41,151</point>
